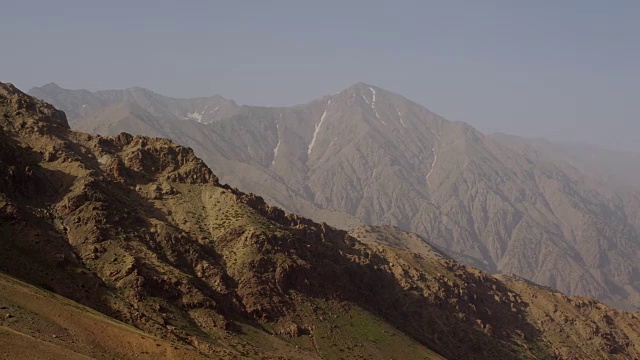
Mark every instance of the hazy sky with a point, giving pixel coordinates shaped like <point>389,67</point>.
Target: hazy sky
<point>565,70</point>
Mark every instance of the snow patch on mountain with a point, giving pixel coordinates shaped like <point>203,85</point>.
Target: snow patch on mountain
<point>401,119</point>
<point>275,150</point>
<point>195,116</point>
<point>317,130</point>
<point>373,106</point>
<point>433,164</point>
<point>334,140</point>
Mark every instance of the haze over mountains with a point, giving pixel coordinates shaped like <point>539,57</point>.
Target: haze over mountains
<point>141,230</point>
<point>369,156</point>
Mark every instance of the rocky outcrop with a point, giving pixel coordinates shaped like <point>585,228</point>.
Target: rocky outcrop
<point>15,104</point>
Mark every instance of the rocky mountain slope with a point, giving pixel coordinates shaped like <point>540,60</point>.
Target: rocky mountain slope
<point>566,321</point>
<point>368,156</point>
<point>614,173</point>
<point>614,168</point>
<point>141,230</point>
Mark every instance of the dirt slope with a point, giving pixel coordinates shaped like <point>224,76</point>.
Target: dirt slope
<point>36,324</point>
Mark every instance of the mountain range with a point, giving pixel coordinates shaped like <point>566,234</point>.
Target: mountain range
<point>180,266</point>
<point>560,216</point>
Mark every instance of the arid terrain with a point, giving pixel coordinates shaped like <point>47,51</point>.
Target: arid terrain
<point>564,217</point>
<point>178,265</point>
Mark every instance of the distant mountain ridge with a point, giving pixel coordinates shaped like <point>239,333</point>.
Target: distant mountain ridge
<point>365,155</point>
<point>83,102</point>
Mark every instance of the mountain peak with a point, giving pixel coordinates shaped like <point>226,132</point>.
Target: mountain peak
<point>368,92</point>
<point>8,89</point>
<point>14,103</point>
<point>362,86</point>
<point>51,86</point>
<point>141,90</point>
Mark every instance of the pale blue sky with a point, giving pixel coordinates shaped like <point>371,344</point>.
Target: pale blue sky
<point>565,70</point>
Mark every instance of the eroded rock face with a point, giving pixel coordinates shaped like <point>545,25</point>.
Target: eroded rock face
<point>140,229</point>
